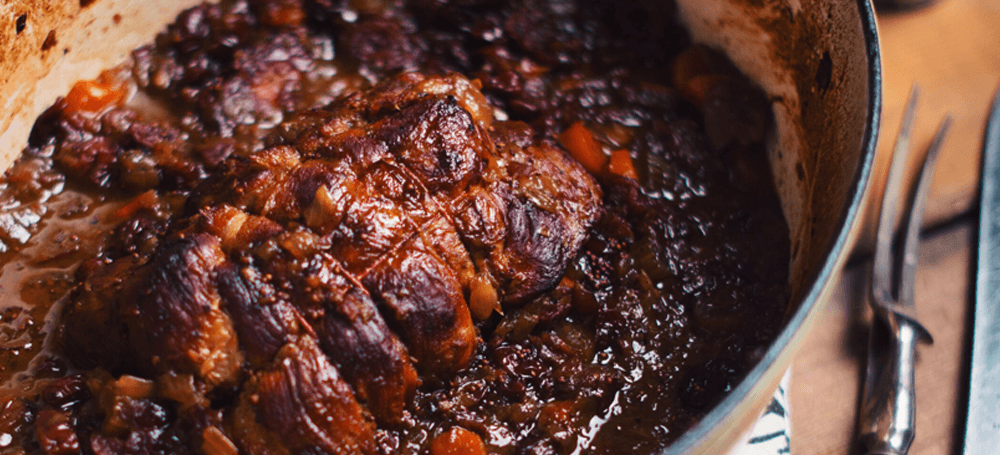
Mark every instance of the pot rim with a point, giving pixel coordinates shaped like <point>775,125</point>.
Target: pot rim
<point>849,222</point>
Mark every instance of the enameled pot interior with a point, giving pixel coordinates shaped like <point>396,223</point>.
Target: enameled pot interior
<point>819,62</point>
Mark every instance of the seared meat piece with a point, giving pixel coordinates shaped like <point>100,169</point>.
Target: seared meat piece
<point>263,319</point>
<point>351,331</point>
<point>330,307</point>
<point>301,401</point>
<point>415,153</point>
<point>338,262</point>
<point>424,299</point>
<point>437,140</point>
<point>371,224</point>
<point>173,313</point>
<point>517,204</point>
<point>550,208</point>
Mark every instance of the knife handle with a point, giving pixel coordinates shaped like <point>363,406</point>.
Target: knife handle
<point>888,411</point>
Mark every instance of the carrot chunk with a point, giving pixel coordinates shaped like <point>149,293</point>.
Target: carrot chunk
<point>621,164</point>
<point>147,200</point>
<point>93,96</point>
<point>458,441</point>
<point>582,147</point>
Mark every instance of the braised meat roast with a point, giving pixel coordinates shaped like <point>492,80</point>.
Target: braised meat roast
<point>352,245</point>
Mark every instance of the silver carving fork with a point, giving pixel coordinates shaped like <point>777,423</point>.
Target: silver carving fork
<point>887,420</point>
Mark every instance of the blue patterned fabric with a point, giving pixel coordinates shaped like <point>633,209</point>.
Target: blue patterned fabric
<point>773,431</point>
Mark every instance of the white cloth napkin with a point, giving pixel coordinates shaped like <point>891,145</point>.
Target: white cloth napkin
<point>773,432</point>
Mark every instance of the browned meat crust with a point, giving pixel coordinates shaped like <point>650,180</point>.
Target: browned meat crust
<point>172,310</point>
<point>302,400</point>
<point>342,239</point>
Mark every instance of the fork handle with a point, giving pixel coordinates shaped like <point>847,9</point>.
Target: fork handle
<point>888,414</point>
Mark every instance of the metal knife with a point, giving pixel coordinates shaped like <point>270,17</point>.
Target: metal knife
<point>982,428</point>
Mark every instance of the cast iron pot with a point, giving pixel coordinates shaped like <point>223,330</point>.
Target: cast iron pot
<point>817,60</point>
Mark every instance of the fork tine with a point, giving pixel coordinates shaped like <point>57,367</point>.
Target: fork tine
<point>911,245</point>
<point>882,276</point>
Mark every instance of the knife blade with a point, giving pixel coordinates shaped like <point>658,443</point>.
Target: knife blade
<point>982,428</point>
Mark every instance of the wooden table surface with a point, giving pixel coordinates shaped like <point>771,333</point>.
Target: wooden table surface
<point>826,377</point>
<point>953,51</point>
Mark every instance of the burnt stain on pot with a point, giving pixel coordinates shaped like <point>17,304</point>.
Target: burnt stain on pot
<point>50,41</point>
<point>20,23</point>
<point>802,44</point>
<point>824,72</point>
